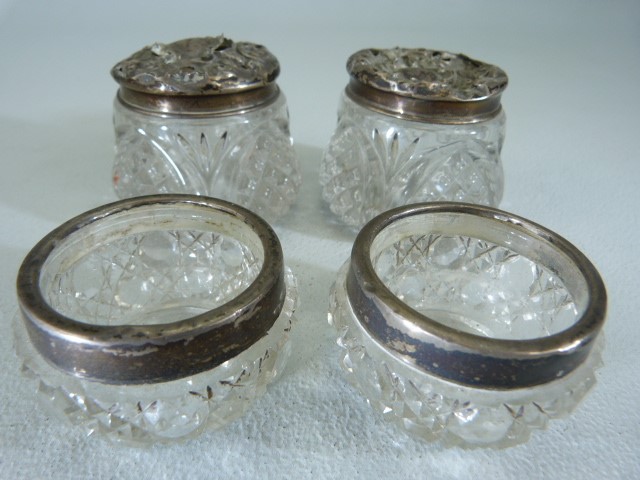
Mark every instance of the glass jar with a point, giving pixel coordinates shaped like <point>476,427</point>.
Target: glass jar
<point>414,125</point>
<point>204,116</point>
<point>151,319</point>
<point>467,324</point>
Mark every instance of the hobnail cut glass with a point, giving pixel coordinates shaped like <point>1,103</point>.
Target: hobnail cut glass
<point>142,272</point>
<point>477,287</point>
<point>246,158</point>
<point>375,162</point>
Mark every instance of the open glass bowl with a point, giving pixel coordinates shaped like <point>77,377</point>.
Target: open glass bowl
<point>468,324</point>
<point>152,318</point>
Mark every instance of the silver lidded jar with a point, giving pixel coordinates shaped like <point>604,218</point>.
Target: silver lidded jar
<point>415,125</point>
<point>204,116</point>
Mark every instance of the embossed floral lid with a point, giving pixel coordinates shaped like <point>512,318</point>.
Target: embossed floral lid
<point>198,66</point>
<point>207,76</point>
<point>426,84</point>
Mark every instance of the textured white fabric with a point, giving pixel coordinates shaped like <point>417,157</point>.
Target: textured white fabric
<point>571,164</point>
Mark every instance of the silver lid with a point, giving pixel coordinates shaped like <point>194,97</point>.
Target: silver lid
<point>191,76</point>
<point>423,84</point>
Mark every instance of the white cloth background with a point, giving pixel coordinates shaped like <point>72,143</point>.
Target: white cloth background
<point>571,163</point>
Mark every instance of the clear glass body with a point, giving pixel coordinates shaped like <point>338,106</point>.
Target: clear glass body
<point>155,266</point>
<point>375,162</point>
<point>245,158</point>
<point>474,286</point>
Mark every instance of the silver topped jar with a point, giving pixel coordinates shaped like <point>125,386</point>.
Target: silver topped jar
<point>204,116</point>
<point>415,125</point>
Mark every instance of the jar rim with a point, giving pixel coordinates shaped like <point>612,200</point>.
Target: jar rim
<point>444,112</point>
<point>460,356</point>
<point>202,106</point>
<point>133,354</point>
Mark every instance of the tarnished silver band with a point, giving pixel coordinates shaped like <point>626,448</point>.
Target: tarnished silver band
<point>423,110</point>
<point>463,357</point>
<point>128,354</point>
<point>199,105</point>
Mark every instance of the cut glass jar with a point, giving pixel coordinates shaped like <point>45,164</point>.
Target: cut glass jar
<point>151,319</point>
<point>467,324</point>
<point>414,125</point>
<point>204,116</point>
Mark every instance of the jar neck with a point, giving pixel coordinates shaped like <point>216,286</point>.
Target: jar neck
<point>199,105</point>
<point>423,110</point>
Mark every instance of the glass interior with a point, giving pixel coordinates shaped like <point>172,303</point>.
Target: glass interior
<point>151,265</point>
<point>479,275</point>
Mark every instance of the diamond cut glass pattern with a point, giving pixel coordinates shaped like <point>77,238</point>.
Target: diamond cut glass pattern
<point>436,409</point>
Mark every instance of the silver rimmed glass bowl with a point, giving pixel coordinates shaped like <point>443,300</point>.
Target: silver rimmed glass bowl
<point>467,324</point>
<point>141,319</point>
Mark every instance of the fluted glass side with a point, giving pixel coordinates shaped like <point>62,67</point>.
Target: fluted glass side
<point>375,162</point>
<point>246,158</point>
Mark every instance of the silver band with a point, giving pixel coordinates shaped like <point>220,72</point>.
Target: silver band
<point>463,357</point>
<point>444,112</point>
<point>189,106</point>
<point>128,354</point>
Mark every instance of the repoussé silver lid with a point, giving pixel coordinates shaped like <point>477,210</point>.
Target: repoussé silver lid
<point>198,76</point>
<point>427,85</point>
